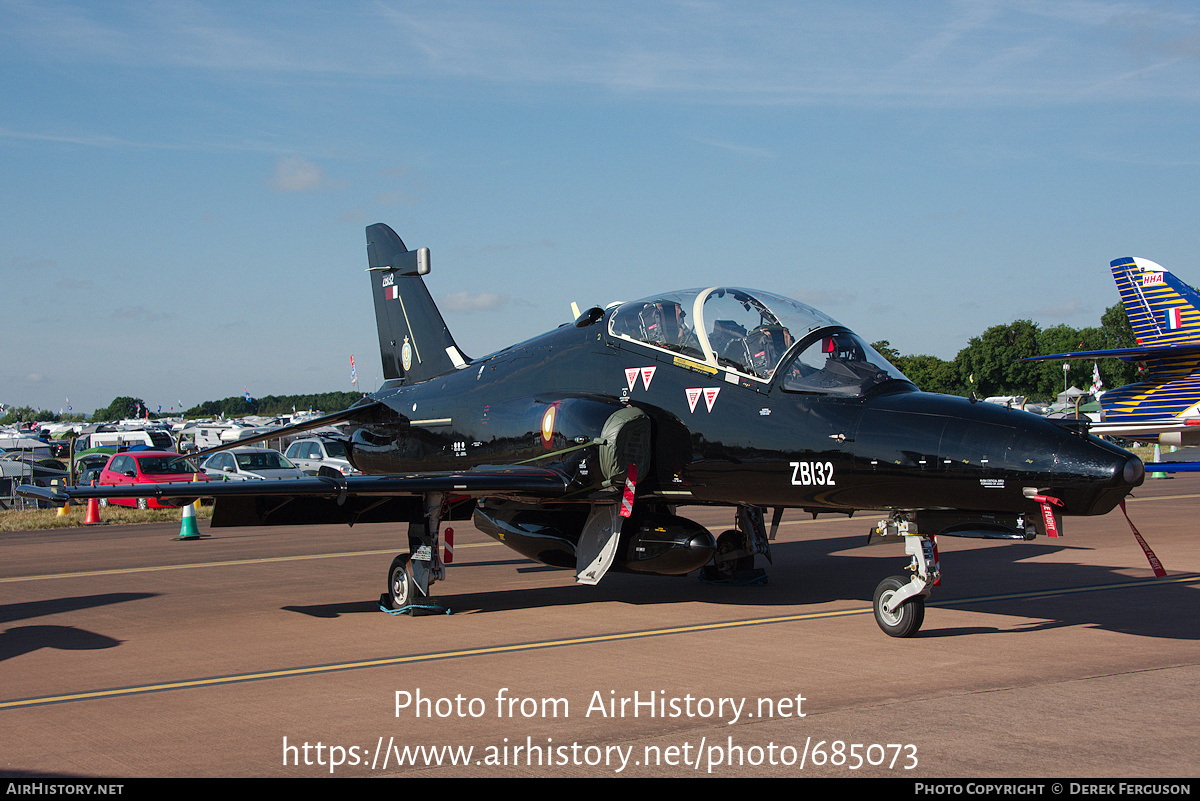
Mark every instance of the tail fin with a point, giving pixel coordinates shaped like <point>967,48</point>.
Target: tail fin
<point>1162,309</point>
<point>413,339</point>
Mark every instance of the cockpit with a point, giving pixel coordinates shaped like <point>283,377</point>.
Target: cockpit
<point>757,335</point>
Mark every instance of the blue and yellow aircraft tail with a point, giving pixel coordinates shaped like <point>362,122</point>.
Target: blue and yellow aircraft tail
<point>1165,315</point>
<point>1163,310</point>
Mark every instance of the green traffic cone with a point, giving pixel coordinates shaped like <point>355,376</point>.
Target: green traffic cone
<point>187,529</point>
<point>1157,458</point>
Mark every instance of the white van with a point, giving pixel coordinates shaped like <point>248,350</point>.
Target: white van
<point>123,440</point>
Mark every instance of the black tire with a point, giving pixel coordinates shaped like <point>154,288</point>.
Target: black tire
<point>400,587</point>
<point>729,542</point>
<point>907,619</point>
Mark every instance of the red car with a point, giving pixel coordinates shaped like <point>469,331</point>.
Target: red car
<point>146,467</point>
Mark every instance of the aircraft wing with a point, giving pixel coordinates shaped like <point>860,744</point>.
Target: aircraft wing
<point>1128,354</point>
<point>1145,429</point>
<point>324,498</point>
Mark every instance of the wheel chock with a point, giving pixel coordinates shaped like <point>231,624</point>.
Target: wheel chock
<point>428,606</point>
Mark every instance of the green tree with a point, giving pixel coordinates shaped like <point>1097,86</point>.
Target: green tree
<point>120,409</point>
<point>1116,332</point>
<point>27,414</point>
<point>932,374</point>
<point>990,364</point>
<point>886,350</point>
<point>1064,339</point>
<point>272,405</point>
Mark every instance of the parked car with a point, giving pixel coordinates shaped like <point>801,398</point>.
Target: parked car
<point>93,457</point>
<point>240,464</point>
<point>317,457</point>
<point>89,476</point>
<point>146,467</point>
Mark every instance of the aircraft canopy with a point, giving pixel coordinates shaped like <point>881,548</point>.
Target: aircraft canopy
<point>751,332</point>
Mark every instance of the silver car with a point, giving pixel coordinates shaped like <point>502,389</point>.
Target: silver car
<point>321,457</point>
<point>249,463</point>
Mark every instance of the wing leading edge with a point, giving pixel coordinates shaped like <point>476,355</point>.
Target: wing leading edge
<point>1128,354</point>
<point>323,499</point>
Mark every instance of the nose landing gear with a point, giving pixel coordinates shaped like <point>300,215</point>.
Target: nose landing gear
<point>899,601</point>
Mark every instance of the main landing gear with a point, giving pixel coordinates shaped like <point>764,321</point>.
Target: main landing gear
<point>900,600</point>
<point>733,562</point>
<point>412,574</point>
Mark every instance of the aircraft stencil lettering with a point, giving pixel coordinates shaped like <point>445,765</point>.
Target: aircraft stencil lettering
<point>807,473</point>
<point>572,475</point>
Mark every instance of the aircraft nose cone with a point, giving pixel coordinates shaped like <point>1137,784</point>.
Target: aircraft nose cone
<point>1126,471</point>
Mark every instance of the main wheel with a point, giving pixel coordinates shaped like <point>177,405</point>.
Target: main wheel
<point>907,618</point>
<point>400,583</point>
<point>728,543</point>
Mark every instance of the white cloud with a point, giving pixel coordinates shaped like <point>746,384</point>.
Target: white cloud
<point>741,150</point>
<point>472,301</point>
<point>141,314</point>
<point>295,174</point>
<point>823,297</point>
<point>396,197</point>
<point>1062,311</point>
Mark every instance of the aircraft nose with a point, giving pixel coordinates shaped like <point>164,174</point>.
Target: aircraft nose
<point>1101,491</point>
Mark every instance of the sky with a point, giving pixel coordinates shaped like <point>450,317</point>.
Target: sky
<point>186,184</point>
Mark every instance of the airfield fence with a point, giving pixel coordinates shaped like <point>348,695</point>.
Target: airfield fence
<point>9,499</point>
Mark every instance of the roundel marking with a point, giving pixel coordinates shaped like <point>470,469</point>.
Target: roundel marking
<point>548,425</point>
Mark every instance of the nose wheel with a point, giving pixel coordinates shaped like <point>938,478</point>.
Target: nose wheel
<point>902,619</point>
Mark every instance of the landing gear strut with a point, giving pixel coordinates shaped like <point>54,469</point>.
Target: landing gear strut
<point>412,574</point>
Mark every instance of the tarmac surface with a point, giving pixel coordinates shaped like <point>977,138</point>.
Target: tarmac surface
<point>262,652</point>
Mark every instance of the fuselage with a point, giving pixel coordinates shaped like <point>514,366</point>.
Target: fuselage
<point>727,436</point>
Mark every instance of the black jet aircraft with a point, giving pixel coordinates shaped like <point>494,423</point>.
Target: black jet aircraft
<point>578,447</point>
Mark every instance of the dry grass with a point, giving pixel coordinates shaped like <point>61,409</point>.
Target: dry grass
<point>38,519</point>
